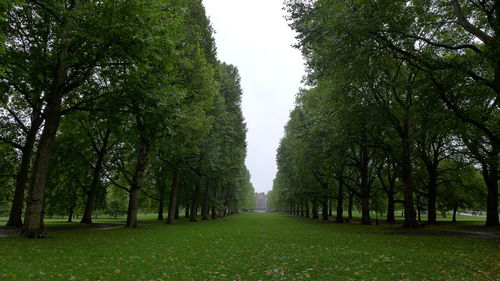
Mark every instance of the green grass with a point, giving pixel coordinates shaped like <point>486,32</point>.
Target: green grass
<point>58,221</point>
<point>357,215</point>
<point>249,247</point>
<point>150,218</point>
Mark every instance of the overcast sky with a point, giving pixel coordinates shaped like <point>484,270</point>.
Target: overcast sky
<point>254,36</point>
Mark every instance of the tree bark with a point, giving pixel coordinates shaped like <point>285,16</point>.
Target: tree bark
<point>419,212</point>
<point>196,199</point>
<point>133,207</point>
<point>16,211</point>
<point>340,202</point>
<point>407,178</point>
<point>177,210</point>
<point>214,213</point>
<point>491,178</point>
<point>70,213</point>
<point>431,196</point>
<point>390,207</point>
<point>186,213</point>
<point>206,201</point>
<point>96,180</point>
<point>324,209</point>
<point>140,169</point>
<point>350,204</point>
<point>389,189</point>
<point>365,187</point>
<point>315,209</point>
<point>307,209</point>
<point>173,205</point>
<point>161,208</point>
<point>33,227</point>
<point>365,210</point>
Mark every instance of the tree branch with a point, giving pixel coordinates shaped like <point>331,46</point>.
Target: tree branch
<point>463,22</point>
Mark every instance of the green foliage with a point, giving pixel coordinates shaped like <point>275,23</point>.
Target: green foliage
<point>141,95</point>
<point>396,89</point>
<point>7,176</point>
<point>246,197</point>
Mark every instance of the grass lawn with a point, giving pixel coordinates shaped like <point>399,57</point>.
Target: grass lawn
<point>58,221</point>
<point>249,246</point>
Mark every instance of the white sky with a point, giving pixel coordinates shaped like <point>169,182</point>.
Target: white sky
<point>254,36</point>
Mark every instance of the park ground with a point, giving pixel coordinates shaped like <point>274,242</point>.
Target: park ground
<point>254,246</point>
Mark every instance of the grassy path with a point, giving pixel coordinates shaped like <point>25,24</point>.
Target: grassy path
<point>249,247</point>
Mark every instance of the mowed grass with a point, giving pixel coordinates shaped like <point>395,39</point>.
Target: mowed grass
<point>63,221</point>
<point>249,246</point>
<point>58,222</point>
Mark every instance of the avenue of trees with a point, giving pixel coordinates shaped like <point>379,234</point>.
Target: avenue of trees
<point>402,111</point>
<point>115,107</point>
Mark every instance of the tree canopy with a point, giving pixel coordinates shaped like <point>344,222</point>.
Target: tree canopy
<point>105,101</point>
<point>403,99</point>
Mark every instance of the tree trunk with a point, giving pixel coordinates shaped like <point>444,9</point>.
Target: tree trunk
<point>419,212</point>
<point>390,207</point>
<point>160,209</point>
<point>432,197</point>
<point>365,210</point>
<point>324,202</point>
<point>16,211</point>
<point>324,209</point>
<point>307,209</point>
<point>33,227</point>
<point>350,203</point>
<point>340,202</point>
<point>410,214</point>
<point>186,212</point>
<point>455,209</point>
<point>140,169</point>
<point>173,205</point>
<point>214,213</point>
<point>491,178</point>
<point>315,209</point>
<point>365,187</point>
<point>177,210</point>
<point>196,199</point>
<point>96,179</point>
<point>206,201</point>
<point>70,213</point>
<point>133,207</point>
<point>162,188</point>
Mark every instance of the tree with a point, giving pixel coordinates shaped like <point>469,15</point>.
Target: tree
<point>379,50</point>
<point>452,44</point>
<point>86,39</point>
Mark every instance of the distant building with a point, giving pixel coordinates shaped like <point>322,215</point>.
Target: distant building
<point>261,202</point>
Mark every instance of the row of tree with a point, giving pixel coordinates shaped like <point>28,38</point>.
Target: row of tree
<point>103,100</point>
<point>403,107</point>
